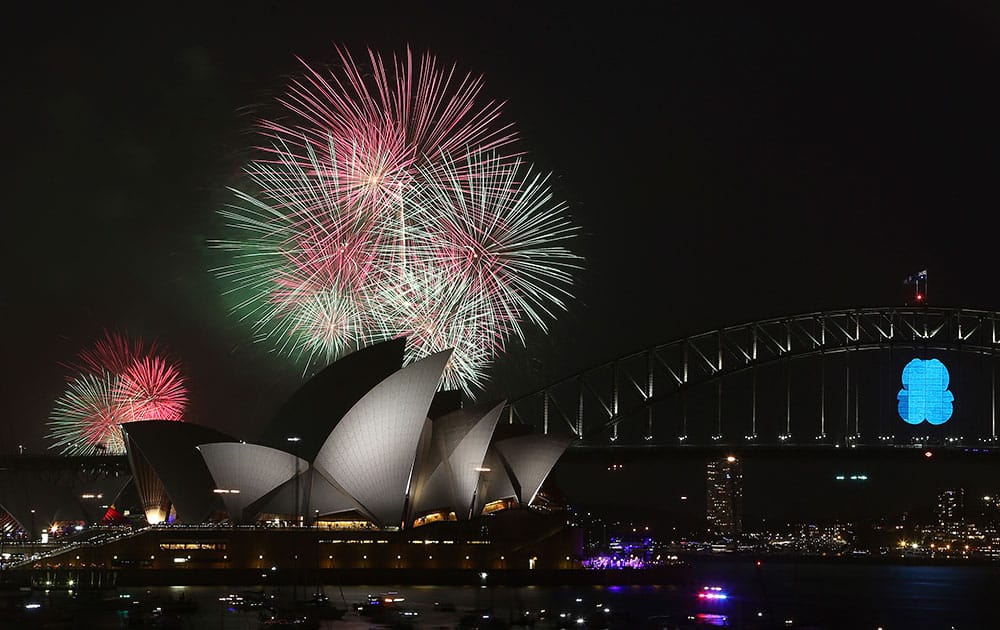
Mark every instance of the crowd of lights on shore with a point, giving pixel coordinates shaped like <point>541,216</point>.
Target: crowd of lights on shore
<point>387,200</point>
<point>118,379</point>
<point>613,562</point>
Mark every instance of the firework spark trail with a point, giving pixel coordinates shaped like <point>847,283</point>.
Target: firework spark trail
<point>113,352</point>
<point>309,262</point>
<point>500,230</point>
<point>152,388</point>
<point>359,225</point>
<point>384,121</point>
<point>84,420</point>
<point>326,323</point>
<point>435,311</point>
<point>117,380</point>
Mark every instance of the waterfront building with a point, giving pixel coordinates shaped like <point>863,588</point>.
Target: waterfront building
<point>950,505</point>
<point>724,507</point>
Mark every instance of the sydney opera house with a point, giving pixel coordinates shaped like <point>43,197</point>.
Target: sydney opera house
<point>367,465</point>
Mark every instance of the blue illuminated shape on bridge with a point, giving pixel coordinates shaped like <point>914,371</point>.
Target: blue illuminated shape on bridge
<point>925,394</point>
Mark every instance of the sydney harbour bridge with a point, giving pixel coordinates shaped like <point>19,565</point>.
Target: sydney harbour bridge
<point>818,381</point>
<point>824,380</point>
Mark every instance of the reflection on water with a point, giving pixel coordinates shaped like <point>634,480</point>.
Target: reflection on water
<point>731,593</point>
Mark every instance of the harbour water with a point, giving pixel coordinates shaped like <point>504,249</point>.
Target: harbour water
<point>740,594</point>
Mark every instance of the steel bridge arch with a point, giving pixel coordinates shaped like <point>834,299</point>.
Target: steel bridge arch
<point>650,376</point>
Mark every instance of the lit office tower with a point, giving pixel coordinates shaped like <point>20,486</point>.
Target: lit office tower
<point>949,507</point>
<point>725,496</point>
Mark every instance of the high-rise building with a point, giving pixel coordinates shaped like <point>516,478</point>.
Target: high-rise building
<point>724,481</point>
<point>949,507</point>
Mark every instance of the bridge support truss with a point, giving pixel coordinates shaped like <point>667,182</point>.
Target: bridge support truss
<point>658,396</point>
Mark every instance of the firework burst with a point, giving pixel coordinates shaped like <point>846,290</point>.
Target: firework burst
<point>361,225</point>
<point>384,119</point>
<point>500,230</point>
<point>437,311</point>
<point>307,261</point>
<point>117,380</point>
<point>85,418</point>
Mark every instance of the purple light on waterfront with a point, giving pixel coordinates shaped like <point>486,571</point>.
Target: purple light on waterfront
<point>613,562</point>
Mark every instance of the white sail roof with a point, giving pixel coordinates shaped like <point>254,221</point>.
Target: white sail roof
<point>281,500</point>
<point>312,411</point>
<point>326,498</point>
<point>371,451</point>
<point>530,458</point>
<point>460,441</point>
<point>494,482</point>
<point>244,473</point>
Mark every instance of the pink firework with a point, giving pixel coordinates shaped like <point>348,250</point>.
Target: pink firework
<point>502,232</point>
<point>389,202</point>
<point>343,252</point>
<point>117,380</point>
<point>114,353</point>
<point>370,126</point>
<point>152,389</point>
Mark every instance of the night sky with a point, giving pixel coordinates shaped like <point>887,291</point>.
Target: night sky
<point>724,164</point>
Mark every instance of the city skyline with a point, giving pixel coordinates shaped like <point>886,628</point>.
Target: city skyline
<point>771,163</point>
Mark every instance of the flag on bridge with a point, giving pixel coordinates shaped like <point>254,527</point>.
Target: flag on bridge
<point>920,275</point>
<point>918,294</point>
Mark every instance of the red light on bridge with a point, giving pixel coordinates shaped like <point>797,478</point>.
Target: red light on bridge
<point>928,454</point>
<point>920,297</point>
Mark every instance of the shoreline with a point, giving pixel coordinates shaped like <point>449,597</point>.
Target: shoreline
<point>677,574</point>
<point>834,559</point>
<point>110,578</point>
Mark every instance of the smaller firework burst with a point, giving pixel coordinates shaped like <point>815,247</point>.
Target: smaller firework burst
<point>116,380</point>
<point>497,226</point>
